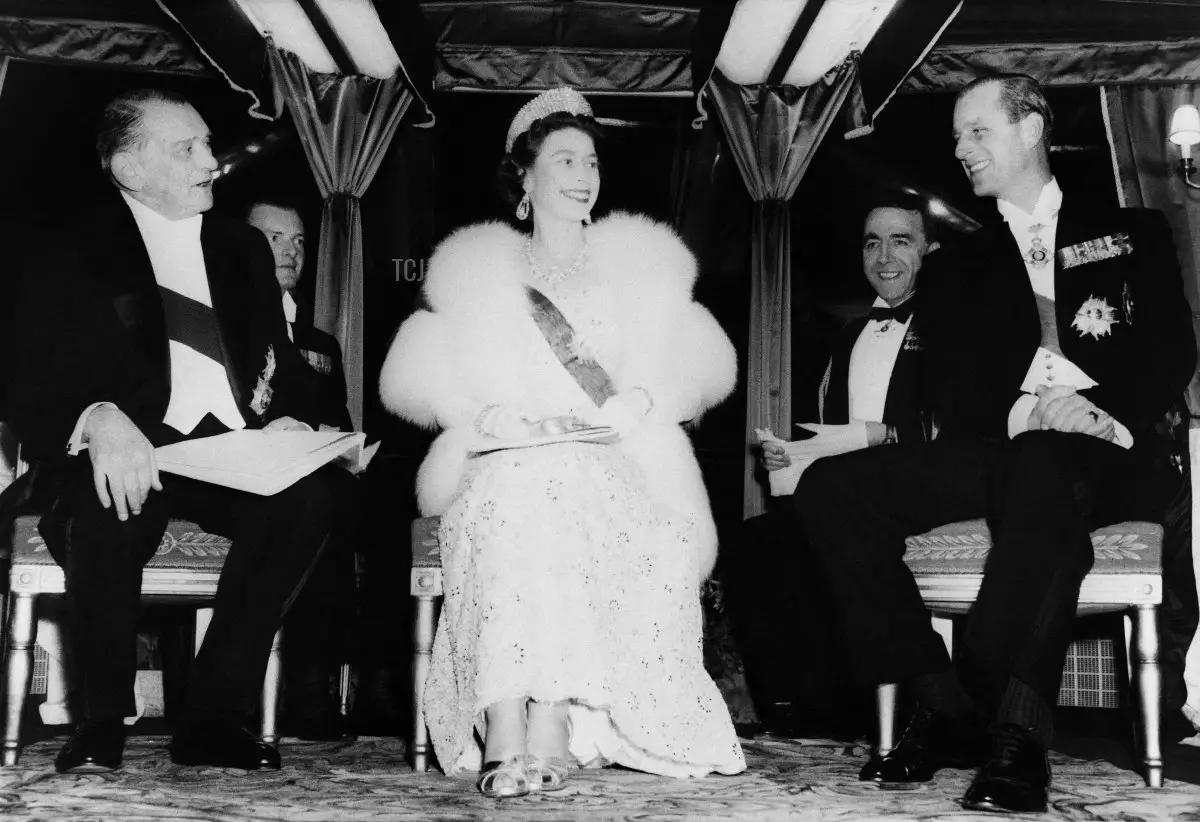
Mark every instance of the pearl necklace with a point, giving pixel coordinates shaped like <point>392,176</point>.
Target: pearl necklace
<point>553,275</point>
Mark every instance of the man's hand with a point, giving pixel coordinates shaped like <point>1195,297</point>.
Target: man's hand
<point>774,456</point>
<point>832,439</point>
<point>1060,408</point>
<point>123,466</point>
<point>286,424</point>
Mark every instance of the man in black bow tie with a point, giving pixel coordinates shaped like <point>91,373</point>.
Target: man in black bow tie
<point>873,393</point>
<point>1065,341</point>
<point>152,322</point>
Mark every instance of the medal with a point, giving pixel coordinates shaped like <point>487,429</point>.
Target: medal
<point>1037,256</point>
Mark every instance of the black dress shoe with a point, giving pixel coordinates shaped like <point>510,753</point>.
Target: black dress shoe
<point>223,746</point>
<point>94,747</point>
<point>930,742</point>
<point>1016,776</point>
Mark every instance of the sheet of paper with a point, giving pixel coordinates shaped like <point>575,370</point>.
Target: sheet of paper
<point>601,434</point>
<point>784,481</point>
<point>260,462</point>
<point>356,460</point>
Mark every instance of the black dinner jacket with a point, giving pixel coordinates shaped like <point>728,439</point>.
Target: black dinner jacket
<point>92,328</point>
<point>323,355</point>
<point>1143,364</point>
<point>907,395</point>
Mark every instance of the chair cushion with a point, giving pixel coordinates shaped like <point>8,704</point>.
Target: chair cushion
<point>426,552</point>
<point>184,545</point>
<point>962,548</point>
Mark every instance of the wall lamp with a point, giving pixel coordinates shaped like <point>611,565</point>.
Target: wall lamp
<point>1185,133</point>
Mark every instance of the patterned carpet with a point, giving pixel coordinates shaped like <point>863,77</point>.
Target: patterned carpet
<point>369,780</point>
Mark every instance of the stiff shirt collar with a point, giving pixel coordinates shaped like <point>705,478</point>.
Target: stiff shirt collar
<point>1044,211</point>
<point>289,307</point>
<point>289,314</point>
<point>155,224</point>
<point>174,248</point>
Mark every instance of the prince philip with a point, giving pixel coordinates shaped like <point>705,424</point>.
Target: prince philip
<point>1065,339</point>
<point>148,323</point>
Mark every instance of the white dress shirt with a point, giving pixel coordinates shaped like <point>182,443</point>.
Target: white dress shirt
<point>1047,367</point>
<point>199,385</point>
<point>289,313</point>
<point>871,363</point>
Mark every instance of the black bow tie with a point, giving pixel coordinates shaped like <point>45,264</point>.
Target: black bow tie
<point>883,313</point>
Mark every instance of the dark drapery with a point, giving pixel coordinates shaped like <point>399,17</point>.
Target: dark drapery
<point>345,124</point>
<point>1137,119</point>
<point>773,132</point>
<point>117,44</point>
<point>950,66</point>
<point>600,46</point>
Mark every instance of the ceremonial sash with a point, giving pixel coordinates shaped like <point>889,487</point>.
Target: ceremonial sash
<point>557,330</point>
<point>193,324</point>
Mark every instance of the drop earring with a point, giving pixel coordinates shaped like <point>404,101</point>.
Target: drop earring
<point>587,220</point>
<point>523,208</point>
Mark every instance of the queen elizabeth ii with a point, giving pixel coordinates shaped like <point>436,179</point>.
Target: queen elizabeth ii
<point>571,628</point>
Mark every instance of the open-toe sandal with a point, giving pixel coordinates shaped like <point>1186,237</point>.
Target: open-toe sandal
<point>505,778</point>
<point>546,773</point>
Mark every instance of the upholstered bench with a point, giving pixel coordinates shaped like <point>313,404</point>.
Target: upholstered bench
<point>948,563</point>
<point>186,567</point>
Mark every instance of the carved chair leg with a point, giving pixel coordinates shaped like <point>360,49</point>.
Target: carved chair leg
<point>18,667</point>
<point>422,652</point>
<point>270,694</point>
<point>1149,688</point>
<point>885,703</point>
<point>344,673</point>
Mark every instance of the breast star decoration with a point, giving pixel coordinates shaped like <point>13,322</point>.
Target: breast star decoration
<point>263,390</point>
<point>1095,317</point>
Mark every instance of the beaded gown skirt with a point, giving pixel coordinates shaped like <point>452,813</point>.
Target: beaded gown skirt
<point>564,580</point>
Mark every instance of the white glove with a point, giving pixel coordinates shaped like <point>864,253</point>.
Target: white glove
<point>624,411</point>
<point>503,422</point>
<point>829,440</point>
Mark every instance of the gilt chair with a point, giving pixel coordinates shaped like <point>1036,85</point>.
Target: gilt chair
<point>426,587</point>
<point>185,568</point>
<point>948,563</point>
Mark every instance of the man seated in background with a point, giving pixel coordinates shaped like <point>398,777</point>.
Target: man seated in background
<point>874,393</point>
<point>284,229</point>
<point>323,620</point>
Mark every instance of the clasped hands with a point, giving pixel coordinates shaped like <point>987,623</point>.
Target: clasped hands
<point>622,412</point>
<point>1061,408</point>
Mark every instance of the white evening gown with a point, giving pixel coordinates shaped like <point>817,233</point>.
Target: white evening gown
<point>565,581</point>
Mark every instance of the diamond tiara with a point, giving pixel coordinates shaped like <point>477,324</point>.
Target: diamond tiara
<point>563,98</point>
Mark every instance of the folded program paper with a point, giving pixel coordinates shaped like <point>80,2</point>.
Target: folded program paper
<point>260,462</point>
<point>595,434</point>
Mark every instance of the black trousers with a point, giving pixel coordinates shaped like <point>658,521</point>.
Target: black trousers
<point>319,625</point>
<point>1042,493</point>
<point>276,540</point>
<point>783,619</point>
